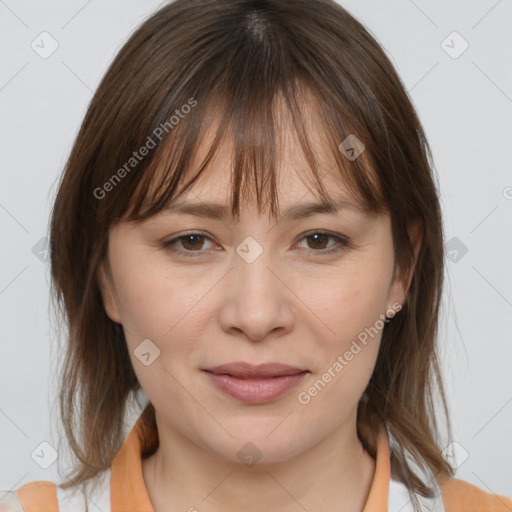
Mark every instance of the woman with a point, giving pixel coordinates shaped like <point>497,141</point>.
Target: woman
<point>248,232</point>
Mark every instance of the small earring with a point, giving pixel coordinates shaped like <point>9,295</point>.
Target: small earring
<point>388,318</point>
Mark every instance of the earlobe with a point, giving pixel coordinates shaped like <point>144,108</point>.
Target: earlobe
<point>107,293</point>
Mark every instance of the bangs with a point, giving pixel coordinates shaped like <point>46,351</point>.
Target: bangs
<point>242,73</point>
<point>254,127</point>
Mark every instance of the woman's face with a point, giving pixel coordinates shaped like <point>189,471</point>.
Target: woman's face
<point>257,290</point>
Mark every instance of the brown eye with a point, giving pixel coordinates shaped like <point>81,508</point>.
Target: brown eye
<point>192,242</point>
<point>317,242</point>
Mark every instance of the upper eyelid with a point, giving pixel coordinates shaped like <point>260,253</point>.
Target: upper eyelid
<point>340,237</point>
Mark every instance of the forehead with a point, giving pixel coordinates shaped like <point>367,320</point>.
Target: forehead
<point>268,155</point>
<point>294,179</point>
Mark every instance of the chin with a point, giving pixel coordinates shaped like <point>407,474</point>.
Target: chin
<point>257,445</point>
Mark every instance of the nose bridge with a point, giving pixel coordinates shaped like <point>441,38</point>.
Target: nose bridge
<point>254,281</point>
<point>256,302</point>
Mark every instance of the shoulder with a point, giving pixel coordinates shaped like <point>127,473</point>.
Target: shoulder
<point>461,496</point>
<point>36,496</point>
<point>10,503</point>
<point>46,496</point>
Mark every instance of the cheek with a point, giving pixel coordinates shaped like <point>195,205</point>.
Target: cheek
<point>346,357</point>
<point>159,307</point>
<point>349,301</point>
<point>347,341</point>
<point>153,303</point>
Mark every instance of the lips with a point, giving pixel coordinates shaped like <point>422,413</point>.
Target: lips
<point>242,370</point>
<point>255,384</point>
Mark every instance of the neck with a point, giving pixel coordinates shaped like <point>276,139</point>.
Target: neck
<point>335,474</point>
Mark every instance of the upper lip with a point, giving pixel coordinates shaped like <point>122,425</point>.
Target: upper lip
<point>245,370</point>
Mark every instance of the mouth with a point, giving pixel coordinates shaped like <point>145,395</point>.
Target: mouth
<point>243,370</point>
<point>255,384</point>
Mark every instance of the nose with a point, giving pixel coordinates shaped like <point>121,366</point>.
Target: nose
<point>257,303</point>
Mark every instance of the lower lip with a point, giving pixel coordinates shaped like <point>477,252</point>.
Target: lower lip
<point>256,391</point>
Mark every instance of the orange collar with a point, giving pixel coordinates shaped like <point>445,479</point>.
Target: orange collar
<point>128,491</point>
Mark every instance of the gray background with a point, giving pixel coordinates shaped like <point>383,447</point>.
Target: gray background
<point>465,104</point>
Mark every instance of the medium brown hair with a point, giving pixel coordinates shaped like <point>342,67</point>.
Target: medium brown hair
<point>236,58</point>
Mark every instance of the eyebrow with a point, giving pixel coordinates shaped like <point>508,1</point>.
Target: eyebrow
<point>217,211</point>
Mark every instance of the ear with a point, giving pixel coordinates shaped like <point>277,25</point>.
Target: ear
<point>108,293</point>
<point>400,284</point>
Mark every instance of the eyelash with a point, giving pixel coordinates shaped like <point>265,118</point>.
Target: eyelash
<point>170,245</point>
